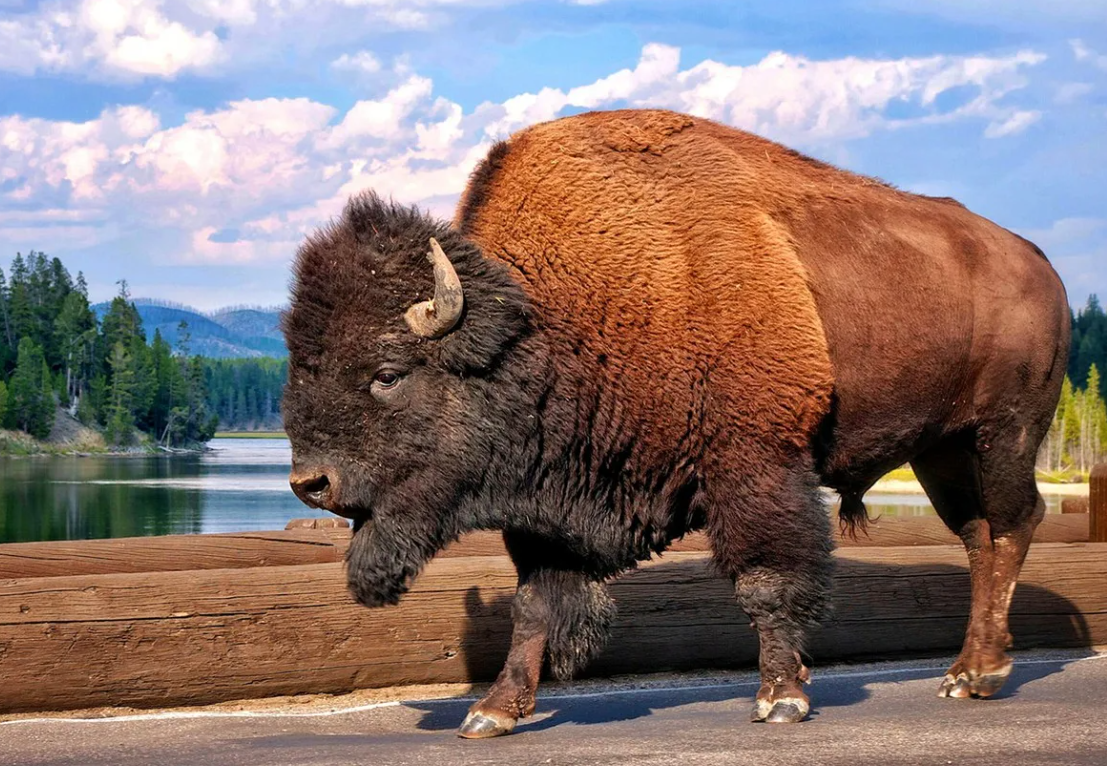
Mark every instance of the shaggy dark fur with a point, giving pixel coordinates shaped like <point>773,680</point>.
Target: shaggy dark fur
<point>671,325</point>
<point>408,465</point>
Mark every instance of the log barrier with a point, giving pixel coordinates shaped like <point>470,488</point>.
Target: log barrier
<point>1097,504</point>
<point>204,636</point>
<point>1074,505</point>
<point>170,553</point>
<point>305,544</point>
<point>197,619</point>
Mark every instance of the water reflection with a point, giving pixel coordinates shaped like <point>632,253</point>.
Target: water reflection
<point>917,504</point>
<point>242,484</point>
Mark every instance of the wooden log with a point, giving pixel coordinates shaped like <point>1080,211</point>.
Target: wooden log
<point>1097,504</point>
<point>883,533</point>
<point>308,543</point>
<point>169,553</point>
<point>1074,505</point>
<point>304,545</point>
<point>323,522</point>
<point>205,636</point>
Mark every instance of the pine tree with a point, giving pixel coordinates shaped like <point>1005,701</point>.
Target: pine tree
<point>75,332</point>
<point>166,374</point>
<point>145,382</point>
<point>1089,342</point>
<point>90,408</point>
<point>46,406</point>
<point>1070,422</point>
<point>56,287</point>
<point>121,324</point>
<point>19,302</point>
<point>7,334</point>
<point>1097,415</point>
<point>119,416</point>
<point>30,395</point>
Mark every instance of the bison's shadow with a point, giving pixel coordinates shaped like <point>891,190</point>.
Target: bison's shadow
<point>680,616</point>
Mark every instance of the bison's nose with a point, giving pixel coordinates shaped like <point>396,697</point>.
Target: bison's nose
<point>313,487</point>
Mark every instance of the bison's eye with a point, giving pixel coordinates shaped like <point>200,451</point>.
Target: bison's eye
<point>387,384</point>
<point>386,379</point>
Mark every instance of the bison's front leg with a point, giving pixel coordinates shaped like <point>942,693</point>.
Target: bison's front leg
<point>513,695</point>
<point>562,610</point>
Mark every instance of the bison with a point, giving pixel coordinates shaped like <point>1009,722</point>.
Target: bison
<point>640,324</point>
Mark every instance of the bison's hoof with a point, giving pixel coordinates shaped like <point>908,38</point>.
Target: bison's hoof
<point>955,687</point>
<point>786,710</point>
<point>965,685</point>
<point>987,684</point>
<point>485,725</point>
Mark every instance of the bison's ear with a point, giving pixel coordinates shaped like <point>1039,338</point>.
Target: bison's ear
<point>439,315</point>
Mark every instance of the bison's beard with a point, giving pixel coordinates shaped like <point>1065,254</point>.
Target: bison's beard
<point>381,562</point>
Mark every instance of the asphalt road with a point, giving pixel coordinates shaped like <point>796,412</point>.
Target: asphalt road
<point>1053,711</point>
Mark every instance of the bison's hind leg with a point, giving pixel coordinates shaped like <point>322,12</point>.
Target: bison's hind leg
<point>770,532</point>
<point>985,491</point>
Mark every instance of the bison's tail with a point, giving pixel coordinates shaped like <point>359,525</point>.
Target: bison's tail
<point>853,517</point>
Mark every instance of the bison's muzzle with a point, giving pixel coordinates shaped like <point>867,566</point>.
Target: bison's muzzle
<point>318,487</point>
<point>313,487</point>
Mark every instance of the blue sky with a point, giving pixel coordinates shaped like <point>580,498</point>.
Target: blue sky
<point>188,145</point>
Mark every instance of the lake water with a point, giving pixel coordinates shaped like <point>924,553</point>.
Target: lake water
<point>240,485</point>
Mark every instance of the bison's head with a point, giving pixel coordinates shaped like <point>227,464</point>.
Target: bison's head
<point>409,386</point>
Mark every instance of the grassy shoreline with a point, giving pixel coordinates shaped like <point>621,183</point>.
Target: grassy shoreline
<point>18,444</point>
<point>905,474</point>
<point>913,487</point>
<point>250,435</point>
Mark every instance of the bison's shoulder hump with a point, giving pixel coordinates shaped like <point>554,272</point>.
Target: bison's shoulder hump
<point>481,182</point>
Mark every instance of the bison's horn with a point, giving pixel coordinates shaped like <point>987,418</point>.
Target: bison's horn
<point>436,317</point>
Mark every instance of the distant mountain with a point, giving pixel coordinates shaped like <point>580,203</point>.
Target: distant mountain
<point>235,332</point>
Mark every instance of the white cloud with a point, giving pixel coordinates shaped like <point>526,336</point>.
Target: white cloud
<point>362,62</point>
<point>1065,233</point>
<point>1083,53</point>
<point>381,118</point>
<point>48,216</point>
<point>1015,123</point>
<point>245,182</point>
<point>1071,92</point>
<point>237,150</point>
<point>435,139</point>
<point>45,160</point>
<point>206,249</point>
<point>235,12</point>
<point>105,39</point>
<point>1077,248</point>
<point>658,64</point>
<point>113,37</point>
<point>794,98</point>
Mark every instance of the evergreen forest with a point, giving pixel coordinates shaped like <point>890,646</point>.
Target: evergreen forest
<point>56,355</point>
<point>1077,438</point>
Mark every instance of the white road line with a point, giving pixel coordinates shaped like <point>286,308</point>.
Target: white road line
<point>815,677</point>
<point>178,715</point>
<point>208,714</point>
